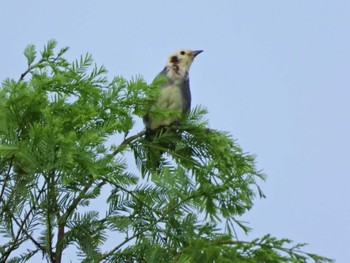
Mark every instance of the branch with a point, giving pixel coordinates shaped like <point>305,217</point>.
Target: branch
<point>62,220</point>
<point>30,69</point>
<point>130,193</point>
<point>75,203</point>
<point>291,251</point>
<point>150,226</point>
<point>24,74</point>
<point>7,178</point>
<point>48,217</point>
<point>36,243</point>
<point>21,228</point>
<point>160,148</point>
<point>127,141</point>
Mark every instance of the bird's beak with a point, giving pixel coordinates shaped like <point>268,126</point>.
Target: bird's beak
<point>196,52</point>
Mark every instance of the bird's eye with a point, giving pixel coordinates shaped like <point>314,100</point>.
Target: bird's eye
<point>182,52</point>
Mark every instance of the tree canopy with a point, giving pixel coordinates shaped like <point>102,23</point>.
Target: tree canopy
<point>57,168</point>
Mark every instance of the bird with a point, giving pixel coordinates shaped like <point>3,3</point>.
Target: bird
<point>175,97</point>
<point>175,93</point>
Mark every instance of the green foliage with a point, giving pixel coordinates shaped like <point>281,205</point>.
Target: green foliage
<point>55,164</point>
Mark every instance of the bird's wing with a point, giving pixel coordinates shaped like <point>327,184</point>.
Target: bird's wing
<point>162,73</point>
<point>186,95</point>
<point>147,117</point>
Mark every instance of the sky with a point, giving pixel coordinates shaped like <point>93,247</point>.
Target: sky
<point>275,74</point>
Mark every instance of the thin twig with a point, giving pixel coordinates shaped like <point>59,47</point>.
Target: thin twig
<point>49,225</point>
<point>30,69</point>
<point>127,141</point>
<point>21,226</point>
<point>62,220</point>
<point>7,177</point>
<point>24,74</point>
<point>130,193</point>
<point>150,226</point>
<point>238,242</point>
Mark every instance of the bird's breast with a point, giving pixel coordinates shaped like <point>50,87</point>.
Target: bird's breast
<point>170,98</point>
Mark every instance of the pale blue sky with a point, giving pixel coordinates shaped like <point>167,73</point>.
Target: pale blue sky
<point>275,74</point>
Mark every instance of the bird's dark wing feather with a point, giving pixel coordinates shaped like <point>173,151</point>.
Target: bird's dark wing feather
<point>186,95</point>
<point>162,73</point>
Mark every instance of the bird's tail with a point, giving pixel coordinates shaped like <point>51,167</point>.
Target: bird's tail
<point>157,143</point>
<point>152,152</point>
<point>161,141</point>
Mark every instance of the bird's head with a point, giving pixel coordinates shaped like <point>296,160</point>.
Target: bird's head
<point>182,59</point>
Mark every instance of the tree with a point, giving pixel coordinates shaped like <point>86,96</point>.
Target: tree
<point>55,162</point>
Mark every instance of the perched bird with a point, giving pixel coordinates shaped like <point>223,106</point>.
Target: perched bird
<point>175,94</point>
